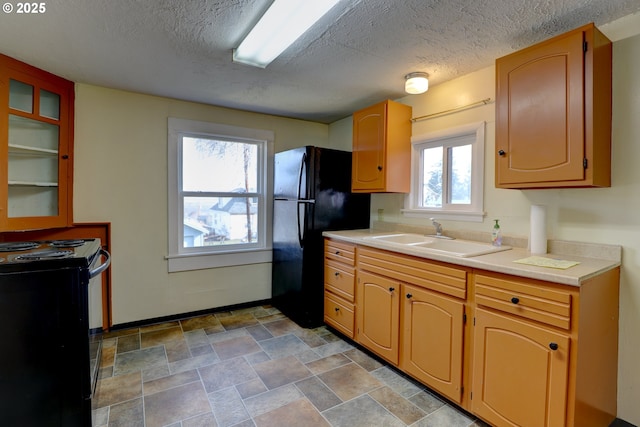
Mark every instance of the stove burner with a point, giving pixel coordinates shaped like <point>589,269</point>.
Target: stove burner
<point>43,255</point>
<point>66,243</point>
<point>18,246</point>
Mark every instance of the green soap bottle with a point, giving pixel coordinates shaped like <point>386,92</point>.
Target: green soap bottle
<point>496,235</point>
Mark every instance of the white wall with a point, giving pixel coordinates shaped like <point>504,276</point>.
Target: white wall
<point>121,177</point>
<point>606,215</point>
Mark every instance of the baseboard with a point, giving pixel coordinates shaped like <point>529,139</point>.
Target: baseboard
<point>173,317</point>
<point>621,423</point>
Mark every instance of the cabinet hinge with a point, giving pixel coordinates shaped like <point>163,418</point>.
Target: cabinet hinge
<point>474,321</point>
<point>464,318</point>
<point>471,396</point>
<point>585,46</point>
<point>584,163</point>
<point>461,390</point>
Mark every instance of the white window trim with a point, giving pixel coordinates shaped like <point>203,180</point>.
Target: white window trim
<point>474,212</point>
<point>193,260</point>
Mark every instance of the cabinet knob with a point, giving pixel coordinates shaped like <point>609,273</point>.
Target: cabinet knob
<point>337,309</point>
<point>391,289</point>
<point>553,346</point>
<point>336,273</point>
<point>515,300</point>
<point>65,156</point>
<point>337,252</point>
<point>379,167</point>
<point>409,296</point>
<point>501,152</point>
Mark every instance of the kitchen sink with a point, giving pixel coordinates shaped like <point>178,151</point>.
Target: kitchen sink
<point>404,239</point>
<point>459,248</point>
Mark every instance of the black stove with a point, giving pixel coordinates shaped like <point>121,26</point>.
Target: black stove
<point>69,252</point>
<point>49,375</point>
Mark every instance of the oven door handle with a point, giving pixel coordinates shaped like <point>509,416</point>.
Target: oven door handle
<point>102,267</point>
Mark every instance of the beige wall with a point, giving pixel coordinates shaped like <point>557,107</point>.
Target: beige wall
<point>121,177</point>
<point>607,215</point>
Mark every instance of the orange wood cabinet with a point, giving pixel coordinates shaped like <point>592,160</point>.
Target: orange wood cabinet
<point>545,354</point>
<point>553,113</point>
<point>382,149</point>
<point>36,148</point>
<point>535,353</point>
<point>339,286</point>
<point>432,340</point>
<point>412,313</point>
<point>378,314</point>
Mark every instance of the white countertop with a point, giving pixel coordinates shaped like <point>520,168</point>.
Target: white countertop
<point>503,261</point>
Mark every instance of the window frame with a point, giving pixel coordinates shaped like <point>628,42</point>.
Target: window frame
<point>473,212</point>
<point>183,259</point>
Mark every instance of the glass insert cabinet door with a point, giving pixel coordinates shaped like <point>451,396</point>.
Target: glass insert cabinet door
<point>37,166</point>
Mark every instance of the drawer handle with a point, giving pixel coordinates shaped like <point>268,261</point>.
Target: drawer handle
<point>515,300</point>
<point>553,346</point>
<point>337,252</point>
<point>409,296</point>
<point>392,289</point>
<point>337,309</point>
<point>501,152</point>
<point>336,274</point>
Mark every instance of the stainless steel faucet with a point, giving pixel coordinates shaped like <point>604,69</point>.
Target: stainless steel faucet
<point>438,226</point>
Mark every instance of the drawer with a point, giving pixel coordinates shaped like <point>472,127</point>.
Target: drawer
<point>429,274</point>
<point>340,279</point>
<point>339,251</point>
<point>339,314</point>
<point>533,301</point>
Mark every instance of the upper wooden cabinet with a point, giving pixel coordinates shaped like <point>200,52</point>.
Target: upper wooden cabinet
<point>553,113</point>
<point>382,149</point>
<point>36,148</point>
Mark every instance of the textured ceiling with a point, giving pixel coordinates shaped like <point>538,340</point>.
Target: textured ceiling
<point>355,56</point>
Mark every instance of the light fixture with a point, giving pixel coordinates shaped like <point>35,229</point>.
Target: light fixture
<point>416,83</point>
<point>279,27</point>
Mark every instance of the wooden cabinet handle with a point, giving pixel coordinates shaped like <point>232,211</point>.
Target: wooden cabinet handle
<point>409,296</point>
<point>379,168</point>
<point>392,289</point>
<point>553,346</point>
<point>515,300</point>
<point>336,273</point>
<point>337,309</point>
<point>501,152</point>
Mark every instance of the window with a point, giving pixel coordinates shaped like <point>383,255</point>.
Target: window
<point>219,195</point>
<point>448,174</point>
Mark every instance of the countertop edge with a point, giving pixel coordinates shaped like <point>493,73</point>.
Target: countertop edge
<point>498,262</point>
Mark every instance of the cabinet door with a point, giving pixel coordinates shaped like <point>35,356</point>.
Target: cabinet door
<point>36,115</point>
<point>432,339</point>
<point>369,136</point>
<point>519,372</point>
<point>378,315</point>
<point>540,113</point>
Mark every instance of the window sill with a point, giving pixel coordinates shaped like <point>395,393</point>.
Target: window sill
<point>469,216</point>
<point>201,261</point>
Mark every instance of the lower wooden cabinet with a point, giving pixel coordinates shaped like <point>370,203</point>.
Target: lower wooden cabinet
<point>432,340</point>
<point>520,372</point>
<point>378,314</point>
<point>511,350</point>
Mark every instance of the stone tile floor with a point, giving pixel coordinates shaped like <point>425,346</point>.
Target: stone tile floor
<point>255,367</point>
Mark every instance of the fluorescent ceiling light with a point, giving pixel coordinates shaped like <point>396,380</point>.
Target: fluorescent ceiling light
<point>279,27</point>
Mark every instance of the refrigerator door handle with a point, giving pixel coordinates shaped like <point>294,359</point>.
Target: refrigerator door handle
<point>301,175</point>
<point>302,225</point>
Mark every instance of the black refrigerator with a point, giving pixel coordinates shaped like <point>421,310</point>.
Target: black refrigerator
<point>312,194</point>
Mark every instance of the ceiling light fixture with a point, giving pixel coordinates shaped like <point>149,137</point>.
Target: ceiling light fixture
<point>279,27</point>
<point>416,83</point>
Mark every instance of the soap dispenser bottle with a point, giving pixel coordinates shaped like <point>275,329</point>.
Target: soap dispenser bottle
<point>496,235</point>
